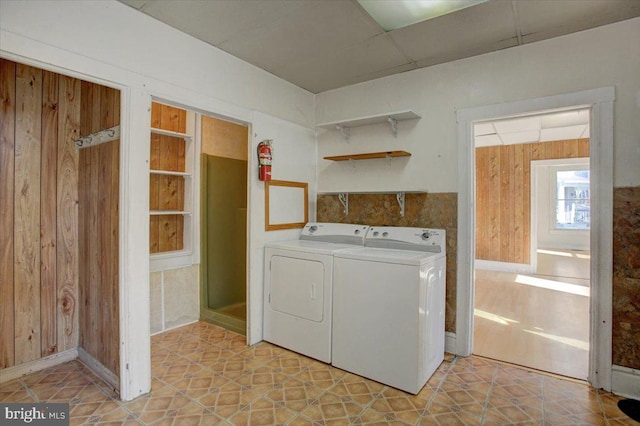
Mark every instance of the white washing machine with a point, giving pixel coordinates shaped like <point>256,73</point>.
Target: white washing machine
<point>298,287</point>
<point>388,306</point>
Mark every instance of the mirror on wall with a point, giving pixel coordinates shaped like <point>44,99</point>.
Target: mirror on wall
<point>286,204</point>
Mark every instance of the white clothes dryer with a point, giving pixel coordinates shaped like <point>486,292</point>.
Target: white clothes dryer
<point>388,306</point>
<point>298,287</point>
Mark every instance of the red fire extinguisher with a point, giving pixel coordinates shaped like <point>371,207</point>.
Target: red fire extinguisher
<point>264,160</point>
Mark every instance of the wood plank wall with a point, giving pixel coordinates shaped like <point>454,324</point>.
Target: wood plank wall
<point>38,209</point>
<point>41,230</point>
<point>98,184</point>
<point>503,195</point>
<point>166,232</point>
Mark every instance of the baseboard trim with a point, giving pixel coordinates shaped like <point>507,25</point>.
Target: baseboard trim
<point>99,369</point>
<point>450,342</point>
<point>625,381</point>
<point>173,327</point>
<point>17,371</point>
<point>491,265</point>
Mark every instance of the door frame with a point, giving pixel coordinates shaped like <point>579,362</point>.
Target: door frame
<point>600,102</point>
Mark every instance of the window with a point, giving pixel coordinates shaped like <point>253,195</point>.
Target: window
<point>572,199</point>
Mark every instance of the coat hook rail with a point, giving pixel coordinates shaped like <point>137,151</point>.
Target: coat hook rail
<point>98,138</point>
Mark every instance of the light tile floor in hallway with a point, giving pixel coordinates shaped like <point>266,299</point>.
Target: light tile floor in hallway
<point>205,375</point>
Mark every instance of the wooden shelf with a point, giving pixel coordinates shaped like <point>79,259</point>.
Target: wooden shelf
<point>357,192</point>
<point>369,156</point>
<point>168,212</point>
<point>170,133</point>
<point>371,119</point>
<point>169,173</point>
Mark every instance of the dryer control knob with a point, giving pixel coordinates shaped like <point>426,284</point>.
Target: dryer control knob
<point>385,234</point>
<point>376,233</point>
<point>425,236</point>
<point>357,232</point>
<point>313,229</point>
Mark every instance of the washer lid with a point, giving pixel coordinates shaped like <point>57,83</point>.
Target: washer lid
<point>380,255</point>
<point>310,246</point>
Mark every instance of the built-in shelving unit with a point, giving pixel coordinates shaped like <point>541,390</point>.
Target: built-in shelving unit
<point>163,212</point>
<point>392,118</point>
<point>172,162</point>
<point>369,156</point>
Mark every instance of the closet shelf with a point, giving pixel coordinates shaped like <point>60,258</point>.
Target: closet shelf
<point>369,155</point>
<point>169,173</point>
<point>170,133</point>
<point>168,212</point>
<point>371,119</point>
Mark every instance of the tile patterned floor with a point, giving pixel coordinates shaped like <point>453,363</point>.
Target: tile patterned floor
<point>205,375</point>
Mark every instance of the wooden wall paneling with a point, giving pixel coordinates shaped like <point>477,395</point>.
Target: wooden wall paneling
<point>67,219</point>
<point>84,167</point>
<point>181,155</point>
<point>156,111</point>
<point>154,234</point>
<point>172,118</point>
<point>109,188</point>
<point>154,183</point>
<point>526,211</point>
<point>519,250</point>
<point>481,210</point>
<point>27,213</point>
<point>493,201</point>
<point>48,213</point>
<point>84,241</point>
<point>7,145</point>
<point>583,148</point>
<point>167,235</point>
<point>505,202</point>
<point>503,196</point>
<point>103,308</point>
<point>114,213</point>
<point>93,285</point>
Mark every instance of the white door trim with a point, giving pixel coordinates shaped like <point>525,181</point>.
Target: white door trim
<point>600,101</point>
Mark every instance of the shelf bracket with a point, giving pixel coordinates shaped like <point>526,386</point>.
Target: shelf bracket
<point>400,198</point>
<point>346,133</point>
<point>394,126</point>
<point>344,200</point>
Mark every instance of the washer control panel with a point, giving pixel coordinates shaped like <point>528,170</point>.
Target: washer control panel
<point>346,233</point>
<point>423,239</point>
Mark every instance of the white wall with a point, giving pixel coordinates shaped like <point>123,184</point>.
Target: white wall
<point>605,56</point>
<point>109,43</point>
<point>294,159</point>
<point>109,40</point>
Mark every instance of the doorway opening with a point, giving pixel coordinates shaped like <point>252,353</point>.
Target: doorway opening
<point>224,223</point>
<point>599,101</point>
<point>532,257</point>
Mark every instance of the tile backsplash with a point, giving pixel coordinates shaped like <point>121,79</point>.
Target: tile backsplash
<point>626,277</point>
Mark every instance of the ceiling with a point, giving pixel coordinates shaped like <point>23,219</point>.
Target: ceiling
<point>321,45</point>
<point>534,128</point>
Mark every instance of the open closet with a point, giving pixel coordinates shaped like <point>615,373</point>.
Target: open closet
<point>59,233</point>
